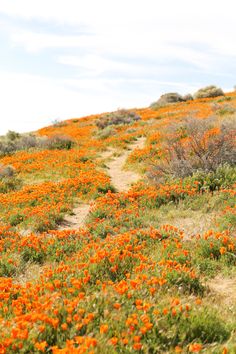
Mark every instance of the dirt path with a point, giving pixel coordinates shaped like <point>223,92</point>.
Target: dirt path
<point>75,221</point>
<point>121,179</point>
<point>224,288</point>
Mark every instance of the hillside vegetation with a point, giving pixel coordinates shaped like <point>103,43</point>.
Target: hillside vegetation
<point>117,232</point>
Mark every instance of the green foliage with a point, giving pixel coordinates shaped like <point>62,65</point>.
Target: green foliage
<point>223,177</point>
<point>106,188</point>
<point>7,268</point>
<point>225,110</point>
<point>10,184</point>
<point>185,282</point>
<point>206,326</point>
<point>31,254</point>
<point>16,219</point>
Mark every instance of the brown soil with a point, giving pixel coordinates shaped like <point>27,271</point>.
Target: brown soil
<point>75,221</point>
<point>224,288</point>
<point>120,178</point>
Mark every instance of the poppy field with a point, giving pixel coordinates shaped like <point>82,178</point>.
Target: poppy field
<point>144,273</point>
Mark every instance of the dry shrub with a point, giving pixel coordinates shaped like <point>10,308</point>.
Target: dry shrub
<point>6,171</point>
<point>122,116</point>
<point>196,145</point>
<point>12,135</point>
<point>106,133</point>
<point>170,98</point>
<point>223,109</point>
<point>13,142</point>
<point>16,142</point>
<point>8,179</point>
<point>209,91</point>
<point>60,142</point>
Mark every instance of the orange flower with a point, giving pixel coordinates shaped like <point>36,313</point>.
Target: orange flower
<point>103,328</point>
<point>41,346</point>
<point>114,340</point>
<point>64,326</point>
<point>195,347</point>
<point>165,311</point>
<point>117,306</point>
<point>222,250</point>
<point>198,301</point>
<point>137,346</point>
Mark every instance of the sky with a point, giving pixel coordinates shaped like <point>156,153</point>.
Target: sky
<point>62,59</point>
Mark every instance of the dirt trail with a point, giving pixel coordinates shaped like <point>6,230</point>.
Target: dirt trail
<point>75,221</point>
<point>224,288</point>
<point>121,179</point>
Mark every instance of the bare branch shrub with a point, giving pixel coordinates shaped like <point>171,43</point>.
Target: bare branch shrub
<point>60,142</point>
<point>28,141</point>
<point>196,145</point>
<point>122,116</point>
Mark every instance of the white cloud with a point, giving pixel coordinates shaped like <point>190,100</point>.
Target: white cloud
<point>119,42</point>
<point>128,26</point>
<point>35,42</point>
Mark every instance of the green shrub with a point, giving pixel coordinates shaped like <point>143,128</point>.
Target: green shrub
<point>7,268</point>
<point>185,282</point>
<point>16,219</point>
<point>30,254</point>
<point>225,109</point>
<point>10,184</point>
<point>105,189</point>
<point>206,326</point>
<point>223,177</point>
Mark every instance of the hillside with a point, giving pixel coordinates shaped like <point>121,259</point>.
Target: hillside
<point>118,232</point>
